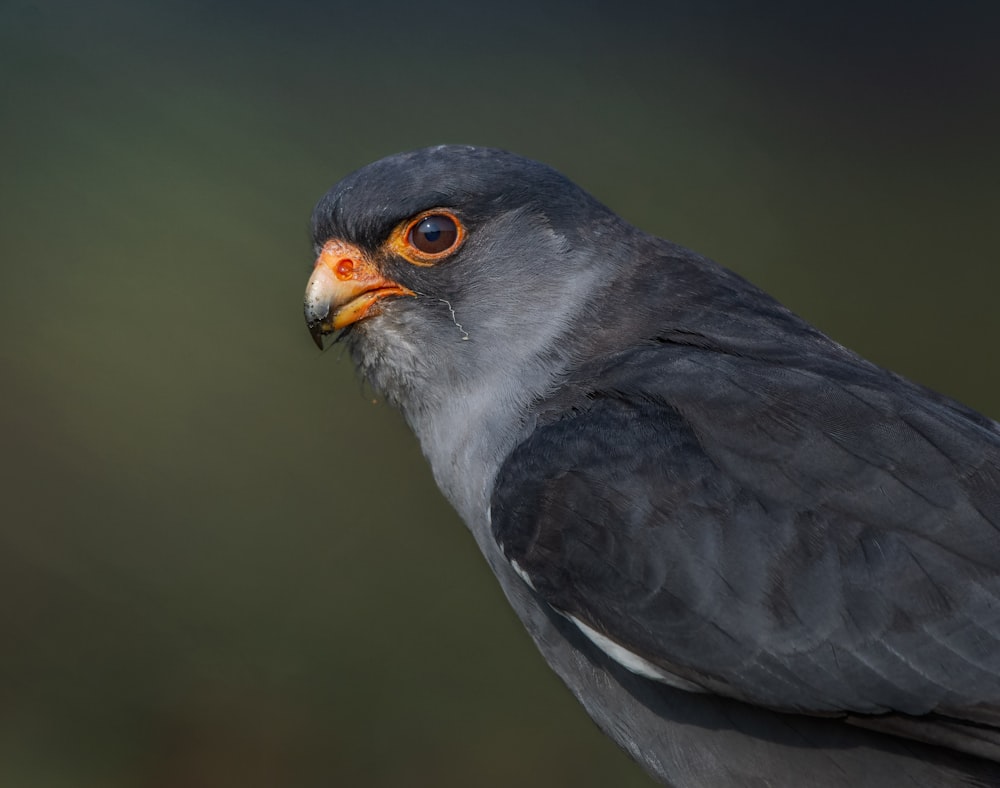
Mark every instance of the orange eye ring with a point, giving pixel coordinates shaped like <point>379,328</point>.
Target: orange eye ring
<point>438,230</point>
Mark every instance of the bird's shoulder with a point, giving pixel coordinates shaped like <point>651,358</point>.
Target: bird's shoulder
<point>811,534</point>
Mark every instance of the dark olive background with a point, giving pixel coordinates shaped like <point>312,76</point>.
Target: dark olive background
<point>221,562</point>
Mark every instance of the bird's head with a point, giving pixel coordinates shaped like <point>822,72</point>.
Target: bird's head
<point>471,284</point>
<point>455,265</point>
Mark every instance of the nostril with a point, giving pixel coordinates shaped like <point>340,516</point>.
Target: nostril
<point>344,268</point>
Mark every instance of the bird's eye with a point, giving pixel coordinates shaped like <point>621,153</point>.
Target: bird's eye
<point>434,234</point>
<point>428,237</point>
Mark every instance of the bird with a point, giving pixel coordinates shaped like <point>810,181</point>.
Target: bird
<point>753,556</point>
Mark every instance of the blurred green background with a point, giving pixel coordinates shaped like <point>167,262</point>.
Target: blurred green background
<point>221,563</point>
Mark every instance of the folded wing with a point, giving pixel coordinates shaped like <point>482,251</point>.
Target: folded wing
<point>819,539</point>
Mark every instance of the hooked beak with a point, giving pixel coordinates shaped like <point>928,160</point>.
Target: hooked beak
<point>345,287</point>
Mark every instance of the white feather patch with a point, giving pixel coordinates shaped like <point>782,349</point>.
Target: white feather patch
<point>523,575</point>
<point>620,654</point>
<point>632,662</point>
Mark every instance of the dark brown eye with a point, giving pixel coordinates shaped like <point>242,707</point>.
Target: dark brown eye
<point>434,234</point>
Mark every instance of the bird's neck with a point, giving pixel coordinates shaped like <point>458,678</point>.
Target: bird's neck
<point>467,437</point>
<point>469,425</point>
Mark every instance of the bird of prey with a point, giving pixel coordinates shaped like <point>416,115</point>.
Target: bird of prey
<point>756,558</point>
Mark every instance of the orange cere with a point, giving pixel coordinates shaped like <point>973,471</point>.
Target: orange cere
<point>345,285</point>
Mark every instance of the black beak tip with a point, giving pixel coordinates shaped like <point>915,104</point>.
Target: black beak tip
<point>316,332</point>
<point>315,314</point>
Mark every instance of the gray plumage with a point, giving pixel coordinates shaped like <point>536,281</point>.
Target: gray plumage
<point>673,459</point>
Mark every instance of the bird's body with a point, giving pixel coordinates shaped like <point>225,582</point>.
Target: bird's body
<point>753,556</point>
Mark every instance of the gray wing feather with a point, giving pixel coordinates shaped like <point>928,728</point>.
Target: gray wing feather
<point>821,540</point>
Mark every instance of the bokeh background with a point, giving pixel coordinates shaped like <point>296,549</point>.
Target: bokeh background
<point>221,562</point>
